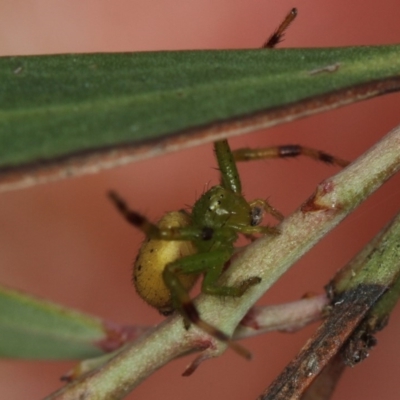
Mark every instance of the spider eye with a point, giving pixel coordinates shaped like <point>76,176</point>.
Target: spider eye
<point>256,216</point>
<point>207,233</point>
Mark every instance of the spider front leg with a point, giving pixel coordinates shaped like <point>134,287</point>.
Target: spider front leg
<point>229,173</point>
<point>211,265</point>
<point>286,151</point>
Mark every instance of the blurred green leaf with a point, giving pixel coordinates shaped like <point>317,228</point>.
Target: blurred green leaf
<point>38,329</point>
<point>55,106</point>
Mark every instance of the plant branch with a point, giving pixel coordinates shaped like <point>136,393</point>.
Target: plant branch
<point>269,257</point>
<point>352,320</point>
<point>287,317</point>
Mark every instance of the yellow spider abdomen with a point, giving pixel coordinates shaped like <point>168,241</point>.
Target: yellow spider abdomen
<point>154,255</point>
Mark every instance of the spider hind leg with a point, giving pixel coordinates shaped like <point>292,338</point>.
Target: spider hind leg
<point>211,264</point>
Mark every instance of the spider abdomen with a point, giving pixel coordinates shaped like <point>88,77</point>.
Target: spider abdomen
<point>154,255</point>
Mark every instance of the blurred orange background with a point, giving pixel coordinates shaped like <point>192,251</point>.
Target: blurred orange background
<point>65,241</point>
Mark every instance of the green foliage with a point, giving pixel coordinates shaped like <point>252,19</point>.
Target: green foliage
<point>56,105</point>
<point>39,329</point>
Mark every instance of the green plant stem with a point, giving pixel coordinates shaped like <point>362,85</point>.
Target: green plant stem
<point>268,257</point>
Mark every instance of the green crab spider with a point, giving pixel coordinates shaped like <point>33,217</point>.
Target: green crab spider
<point>183,246</point>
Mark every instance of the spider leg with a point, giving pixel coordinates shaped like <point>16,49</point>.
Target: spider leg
<point>152,230</point>
<point>134,218</point>
<point>260,229</point>
<point>211,264</point>
<point>277,36</point>
<point>211,286</point>
<point>286,151</point>
<point>229,173</point>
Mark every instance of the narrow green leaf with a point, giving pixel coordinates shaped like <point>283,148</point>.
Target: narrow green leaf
<point>70,114</point>
<point>38,329</point>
